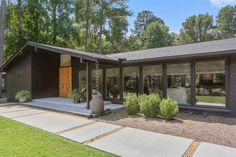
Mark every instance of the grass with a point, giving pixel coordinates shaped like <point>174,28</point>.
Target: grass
<point>19,140</point>
<point>211,99</point>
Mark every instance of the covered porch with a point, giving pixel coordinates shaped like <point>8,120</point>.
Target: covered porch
<point>67,105</point>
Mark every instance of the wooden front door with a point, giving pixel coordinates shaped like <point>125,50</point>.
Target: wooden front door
<point>65,79</point>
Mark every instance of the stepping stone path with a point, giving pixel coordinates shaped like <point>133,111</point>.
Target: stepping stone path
<point>89,132</point>
<point>135,142</point>
<point>213,150</point>
<point>115,139</point>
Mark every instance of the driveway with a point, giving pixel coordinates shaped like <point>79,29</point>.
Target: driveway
<point>115,139</point>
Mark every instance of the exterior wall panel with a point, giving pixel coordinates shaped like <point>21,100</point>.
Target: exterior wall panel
<point>18,75</point>
<point>232,85</point>
<point>45,74</point>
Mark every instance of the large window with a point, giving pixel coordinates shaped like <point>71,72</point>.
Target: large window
<point>153,79</point>
<point>130,80</point>
<point>210,83</point>
<point>113,80</point>
<point>179,82</point>
<point>82,80</point>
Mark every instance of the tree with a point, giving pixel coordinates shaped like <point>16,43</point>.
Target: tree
<point>144,18</point>
<point>2,28</point>
<point>157,35</point>
<point>197,28</point>
<point>226,22</point>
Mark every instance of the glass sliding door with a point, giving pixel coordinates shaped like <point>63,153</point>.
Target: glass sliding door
<point>179,82</point>
<point>210,83</point>
<point>153,79</point>
<point>112,81</point>
<point>130,80</point>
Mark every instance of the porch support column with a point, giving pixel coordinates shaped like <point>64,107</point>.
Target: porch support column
<point>88,83</point>
<point>121,83</point>
<point>193,83</point>
<point>164,80</point>
<point>141,83</point>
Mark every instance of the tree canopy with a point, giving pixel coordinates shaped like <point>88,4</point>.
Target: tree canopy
<point>101,26</point>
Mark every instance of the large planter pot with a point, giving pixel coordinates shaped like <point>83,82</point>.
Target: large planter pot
<point>97,104</point>
<point>76,101</point>
<point>23,99</point>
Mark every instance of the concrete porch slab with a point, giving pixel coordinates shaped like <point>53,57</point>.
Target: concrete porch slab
<point>89,132</point>
<point>213,150</point>
<point>22,113</point>
<point>53,122</point>
<point>12,108</point>
<point>130,142</point>
<point>67,105</point>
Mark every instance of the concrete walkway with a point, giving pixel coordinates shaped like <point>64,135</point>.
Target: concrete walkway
<point>123,141</point>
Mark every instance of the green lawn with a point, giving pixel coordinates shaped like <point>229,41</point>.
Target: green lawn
<point>211,99</point>
<point>19,140</point>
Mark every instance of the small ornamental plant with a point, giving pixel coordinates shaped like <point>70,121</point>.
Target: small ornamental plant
<point>23,96</point>
<point>131,104</point>
<point>75,95</point>
<point>169,108</point>
<point>149,105</point>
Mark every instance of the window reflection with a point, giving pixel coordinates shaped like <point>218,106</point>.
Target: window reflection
<point>113,80</point>
<point>153,79</point>
<point>210,83</point>
<point>130,80</point>
<point>179,82</point>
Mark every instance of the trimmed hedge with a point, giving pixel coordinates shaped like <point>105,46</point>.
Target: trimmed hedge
<point>131,104</point>
<point>169,109</point>
<point>149,105</point>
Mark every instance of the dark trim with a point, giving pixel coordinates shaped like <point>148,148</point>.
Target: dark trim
<point>193,84</point>
<point>88,83</point>
<point>141,80</point>
<point>227,81</point>
<point>121,83</point>
<point>165,86</point>
<point>75,72</point>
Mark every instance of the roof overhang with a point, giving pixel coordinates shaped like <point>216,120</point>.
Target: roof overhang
<point>83,57</point>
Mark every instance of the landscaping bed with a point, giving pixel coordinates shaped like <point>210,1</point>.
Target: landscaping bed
<point>212,129</point>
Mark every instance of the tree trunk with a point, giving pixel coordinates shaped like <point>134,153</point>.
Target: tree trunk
<point>54,20</point>
<point>36,21</point>
<point>101,26</point>
<point>87,27</point>
<point>20,14</point>
<point>2,27</point>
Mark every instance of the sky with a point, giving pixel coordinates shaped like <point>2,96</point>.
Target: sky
<point>174,12</point>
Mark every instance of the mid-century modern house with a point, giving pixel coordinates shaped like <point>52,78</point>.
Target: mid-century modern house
<point>199,76</point>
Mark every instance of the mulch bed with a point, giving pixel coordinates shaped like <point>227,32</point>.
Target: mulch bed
<point>212,129</point>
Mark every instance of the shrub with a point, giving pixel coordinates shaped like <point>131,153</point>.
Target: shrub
<point>75,94</point>
<point>149,105</point>
<point>169,109</point>
<point>131,104</point>
<point>23,95</point>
